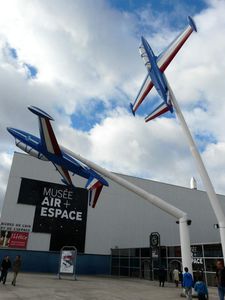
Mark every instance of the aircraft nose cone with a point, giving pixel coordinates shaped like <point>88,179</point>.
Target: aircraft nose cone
<point>11,130</point>
<point>142,39</point>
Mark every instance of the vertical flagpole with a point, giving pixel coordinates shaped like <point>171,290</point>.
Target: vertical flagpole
<point>202,170</point>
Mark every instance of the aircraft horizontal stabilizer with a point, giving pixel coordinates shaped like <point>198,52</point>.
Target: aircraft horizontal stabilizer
<point>161,109</point>
<point>39,112</point>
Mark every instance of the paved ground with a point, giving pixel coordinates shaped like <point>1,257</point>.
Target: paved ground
<point>41,287</point>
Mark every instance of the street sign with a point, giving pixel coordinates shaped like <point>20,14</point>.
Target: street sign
<point>154,239</point>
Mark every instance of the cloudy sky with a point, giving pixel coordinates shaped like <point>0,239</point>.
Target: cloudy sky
<point>78,60</point>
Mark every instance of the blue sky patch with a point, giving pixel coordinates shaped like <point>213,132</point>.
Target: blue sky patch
<point>159,6</point>
<point>84,120</point>
<point>31,70</point>
<point>203,139</point>
<point>13,53</point>
<point>202,105</point>
<point>172,13</point>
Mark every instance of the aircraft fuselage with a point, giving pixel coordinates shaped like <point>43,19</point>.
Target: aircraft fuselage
<point>155,74</point>
<point>32,145</point>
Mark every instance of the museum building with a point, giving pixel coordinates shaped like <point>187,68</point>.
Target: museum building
<point>40,215</point>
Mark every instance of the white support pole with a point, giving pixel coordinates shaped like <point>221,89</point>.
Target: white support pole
<point>150,198</point>
<point>185,244</point>
<point>202,171</point>
<point>163,205</point>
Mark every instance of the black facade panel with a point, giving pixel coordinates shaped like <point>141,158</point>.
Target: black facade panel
<point>60,211</point>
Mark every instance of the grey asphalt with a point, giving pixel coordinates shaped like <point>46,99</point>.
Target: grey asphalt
<point>41,287</point>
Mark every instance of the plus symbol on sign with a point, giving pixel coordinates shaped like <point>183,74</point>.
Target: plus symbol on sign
<point>67,204</point>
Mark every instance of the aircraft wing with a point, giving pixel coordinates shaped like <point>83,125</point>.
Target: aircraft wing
<point>48,140</point>
<point>163,60</point>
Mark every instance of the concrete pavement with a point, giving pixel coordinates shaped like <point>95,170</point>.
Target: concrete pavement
<point>41,287</point>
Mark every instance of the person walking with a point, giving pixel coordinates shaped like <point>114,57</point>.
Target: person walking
<point>220,278</point>
<point>181,277</point>
<point>5,265</point>
<point>201,289</point>
<point>162,276</point>
<point>16,268</point>
<point>176,276</point>
<point>187,283</point>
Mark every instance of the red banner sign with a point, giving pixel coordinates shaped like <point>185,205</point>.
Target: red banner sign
<point>18,240</point>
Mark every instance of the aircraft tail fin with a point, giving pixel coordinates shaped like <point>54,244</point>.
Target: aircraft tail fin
<point>94,186</point>
<point>47,134</point>
<point>49,141</point>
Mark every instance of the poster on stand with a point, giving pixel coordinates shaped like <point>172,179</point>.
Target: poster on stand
<point>67,262</point>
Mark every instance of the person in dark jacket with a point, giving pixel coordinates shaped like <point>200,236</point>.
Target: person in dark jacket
<point>180,277</point>
<point>162,276</point>
<point>6,264</point>
<point>16,268</point>
<point>220,278</point>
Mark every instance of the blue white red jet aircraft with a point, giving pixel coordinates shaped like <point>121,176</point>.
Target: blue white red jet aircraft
<point>156,65</point>
<point>47,148</point>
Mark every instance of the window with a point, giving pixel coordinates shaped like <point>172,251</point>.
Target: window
<point>214,250</point>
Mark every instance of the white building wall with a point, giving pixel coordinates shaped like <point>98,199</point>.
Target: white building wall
<point>120,218</point>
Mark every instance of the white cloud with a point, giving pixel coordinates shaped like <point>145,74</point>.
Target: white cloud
<point>214,156</point>
<point>85,50</point>
<point>125,144</point>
